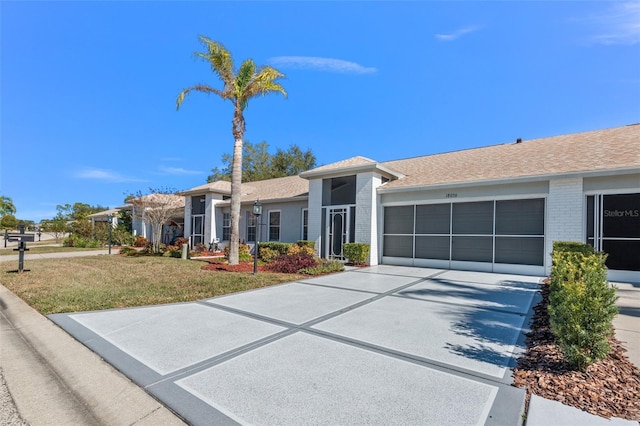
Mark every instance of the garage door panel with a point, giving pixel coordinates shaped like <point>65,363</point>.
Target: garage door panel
<point>433,219</point>
<point>520,217</point>
<point>472,249</point>
<point>432,247</point>
<point>398,246</point>
<point>520,250</point>
<point>473,218</point>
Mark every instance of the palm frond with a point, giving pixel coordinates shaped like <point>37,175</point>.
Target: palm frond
<point>262,83</point>
<point>219,58</point>
<point>246,74</point>
<point>199,88</point>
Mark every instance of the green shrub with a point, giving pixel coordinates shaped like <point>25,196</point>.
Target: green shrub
<point>244,253</point>
<point>268,255</point>
<point>173,251</point>
<point>121,237</point>
<point>281,248</point>
<point>581,306</point>
<point>573,247</point>
<point>295,249</point>
<point>356,253</point>
<point>306,243</point>
<point>325,266</point>
<point>74,240</point>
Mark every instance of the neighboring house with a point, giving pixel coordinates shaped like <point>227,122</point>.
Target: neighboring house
<point>142,214</point>
<point>497,208</point>
<point>208,211</point>
<point>104,215</point>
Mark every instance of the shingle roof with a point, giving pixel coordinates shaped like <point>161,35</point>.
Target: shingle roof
<point>609,149</point>
<point>275,189</point>
<point>343,164</point>
<point>220,186</point>
<point>270,189</point>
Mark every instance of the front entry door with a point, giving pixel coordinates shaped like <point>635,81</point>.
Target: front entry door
<point>337,231</point>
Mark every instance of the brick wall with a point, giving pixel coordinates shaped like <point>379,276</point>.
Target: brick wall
<point>565,213</point>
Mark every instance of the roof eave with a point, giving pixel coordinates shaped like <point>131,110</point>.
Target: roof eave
<point>302,197</point>
<point>342,171</point>
<point>520,179</point>
<point>204,191</point>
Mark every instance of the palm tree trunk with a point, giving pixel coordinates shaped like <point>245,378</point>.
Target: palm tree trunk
<point>236,195</point>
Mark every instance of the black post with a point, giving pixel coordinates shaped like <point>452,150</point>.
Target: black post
<point>21,249</point>
<point>110,225</point>
<point>257,211</point>
<point>6,237</point>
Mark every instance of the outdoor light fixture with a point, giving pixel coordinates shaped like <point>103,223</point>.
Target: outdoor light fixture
<point>257,211</point>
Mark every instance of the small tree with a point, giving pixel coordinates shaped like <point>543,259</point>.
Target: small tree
<point>155,209</point>
<point>8,221</point>
<point>56,227</point>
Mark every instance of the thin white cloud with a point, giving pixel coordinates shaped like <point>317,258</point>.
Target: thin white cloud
<point>178,171</point>
<point>456,34</point>
<point>620,24</point>
<point>105,175</point>
<point>321,64</point>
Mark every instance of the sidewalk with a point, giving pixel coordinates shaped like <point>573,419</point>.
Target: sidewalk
<point>53,379</point>
<point>34,256</point>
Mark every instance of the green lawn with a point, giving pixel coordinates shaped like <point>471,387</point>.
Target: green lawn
<point>104,282</point>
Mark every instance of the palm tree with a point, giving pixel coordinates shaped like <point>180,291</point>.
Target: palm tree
<point>239,87</point>
<point>6,206</point>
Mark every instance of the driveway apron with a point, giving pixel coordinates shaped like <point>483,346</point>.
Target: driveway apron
<point>378,345</point>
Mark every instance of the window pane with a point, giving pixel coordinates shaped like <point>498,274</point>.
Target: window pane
<point>433,219</point>
<point>590,217</point>
<point>398,220</point>
<point>274,233</point>
<point>621,216</point>
<point>472,249</point>
<point>274,218</point>
<point>398,246</point>
<point>432,247</point>
<point>198,204</point>
<point>623,255</point>
<point>520,217</point>
<point>473,218</point>
<point>518,250</point>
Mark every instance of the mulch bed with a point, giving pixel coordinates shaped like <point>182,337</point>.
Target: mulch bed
<point>608,388</point>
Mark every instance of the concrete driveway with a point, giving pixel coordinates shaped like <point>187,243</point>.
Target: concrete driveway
<point>379,345</point>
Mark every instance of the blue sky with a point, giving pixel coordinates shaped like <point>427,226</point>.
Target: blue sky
<point>88,89</point>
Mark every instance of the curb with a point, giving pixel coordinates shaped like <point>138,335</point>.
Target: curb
<point>56,380</point>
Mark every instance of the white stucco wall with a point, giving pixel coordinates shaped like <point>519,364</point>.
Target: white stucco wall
<point>315,231</point>
<point>187,217</point>
<point>366,213</point>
